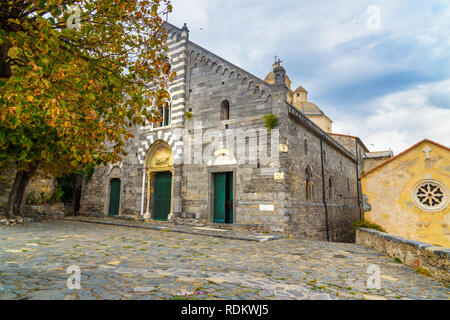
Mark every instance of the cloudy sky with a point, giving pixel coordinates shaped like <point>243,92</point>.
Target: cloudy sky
<point>385,80</point>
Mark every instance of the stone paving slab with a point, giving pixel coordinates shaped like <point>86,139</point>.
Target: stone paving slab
<point>122,263</point>
<point>197,230</point>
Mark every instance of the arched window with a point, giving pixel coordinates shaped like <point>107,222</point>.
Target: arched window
<point>225,110</point>
<point>306,146</point>
<point>165,116</point>
<point>330,188</point>
<point>308,184</point>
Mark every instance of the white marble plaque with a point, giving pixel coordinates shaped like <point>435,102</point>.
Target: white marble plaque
<point>266,207</point>
<point>279,176</point>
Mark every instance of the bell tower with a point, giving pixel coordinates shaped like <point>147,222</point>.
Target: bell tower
<point>279,72</point>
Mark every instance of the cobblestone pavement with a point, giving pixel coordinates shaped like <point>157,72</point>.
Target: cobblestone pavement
<point>126,263</point>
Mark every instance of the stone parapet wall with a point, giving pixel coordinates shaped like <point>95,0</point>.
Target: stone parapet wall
<point>412,253</point>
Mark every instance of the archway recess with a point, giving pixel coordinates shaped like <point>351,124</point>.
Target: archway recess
<point>159,160</point>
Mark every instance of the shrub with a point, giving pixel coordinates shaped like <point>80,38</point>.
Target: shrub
<point>31,200</point>
<point>270,121</point>
<point>57,195</point>
<point>423,271</point>
<point>188,115</point>
<point>367,225</point>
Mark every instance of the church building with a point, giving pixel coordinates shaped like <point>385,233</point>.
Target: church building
<point>408,195</point>
<point>233,150</point>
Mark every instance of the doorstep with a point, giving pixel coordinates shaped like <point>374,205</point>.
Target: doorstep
<point>209,231</point>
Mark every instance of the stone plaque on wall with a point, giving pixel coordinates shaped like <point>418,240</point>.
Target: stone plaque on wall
<point>279,176</point>
<point>266,207</point>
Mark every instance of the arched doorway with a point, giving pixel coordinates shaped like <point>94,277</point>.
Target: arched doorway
<point>160,171</point>
<point>114,192</point>
<point>114,198</point>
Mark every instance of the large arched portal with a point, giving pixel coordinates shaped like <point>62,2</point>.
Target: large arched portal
<point>160,172</point>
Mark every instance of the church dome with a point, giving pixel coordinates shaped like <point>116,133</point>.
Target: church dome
<point>270,78</point>
<point>310,108</point>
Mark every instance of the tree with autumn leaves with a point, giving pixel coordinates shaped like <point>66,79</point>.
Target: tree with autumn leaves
<point>75,77</point>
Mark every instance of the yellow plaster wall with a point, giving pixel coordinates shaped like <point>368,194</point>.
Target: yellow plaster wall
<point>389,190</point>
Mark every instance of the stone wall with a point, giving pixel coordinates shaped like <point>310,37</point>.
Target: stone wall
<point>95,196</point>
<point>412,253</point>
<point>370,163</point>
<point>212,80</point>
<point>308,217</point>
<point>40,185</point>
<point>355,146</point>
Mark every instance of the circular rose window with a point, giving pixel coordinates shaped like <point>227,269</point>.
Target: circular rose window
<point>430,195</point>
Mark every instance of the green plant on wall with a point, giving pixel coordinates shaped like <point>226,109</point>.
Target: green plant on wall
<point>367,225</point>
<point>188,115</point>
<point>270,121</point>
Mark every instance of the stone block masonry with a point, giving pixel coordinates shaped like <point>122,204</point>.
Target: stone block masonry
<point>227,134</point>
<point>412,253</point>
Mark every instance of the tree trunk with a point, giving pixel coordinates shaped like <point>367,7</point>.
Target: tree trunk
<point>13,195</point>
<point>5,68</point>
<point>26,178</point>
<point>18,190</point>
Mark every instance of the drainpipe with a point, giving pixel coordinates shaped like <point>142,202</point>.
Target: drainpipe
<point>358,181</point>
<point>323,189</point>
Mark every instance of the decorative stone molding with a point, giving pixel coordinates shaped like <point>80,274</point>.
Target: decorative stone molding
<point>171,138</point>
<point>227,70</point>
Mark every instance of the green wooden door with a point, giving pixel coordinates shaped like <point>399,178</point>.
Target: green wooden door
<point>220,182</point>
<point>162,196</point>
<point>223,198</point>
<point>114,198</point>
<point>229,200</point>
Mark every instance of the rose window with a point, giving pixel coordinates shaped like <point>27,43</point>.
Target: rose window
<point>430,196</point>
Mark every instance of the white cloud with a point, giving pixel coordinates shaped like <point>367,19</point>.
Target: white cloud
<point>327,48</point>
<point>401,119</point>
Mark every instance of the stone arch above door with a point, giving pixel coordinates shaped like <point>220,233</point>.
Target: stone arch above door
<point>115,172</point>
<point>223,158</point>
<point>159,157</point>
<point>173,139</point>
